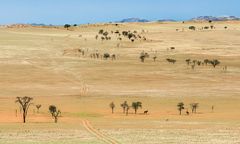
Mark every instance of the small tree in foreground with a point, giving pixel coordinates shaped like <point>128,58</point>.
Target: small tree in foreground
<point>112,106</point>
<point>180,107</point>
<point>54,112</point>
<point>24,102</point>
<point>136,106</point>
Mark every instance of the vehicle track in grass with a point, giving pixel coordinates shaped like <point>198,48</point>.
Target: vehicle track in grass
<point>87,125</point>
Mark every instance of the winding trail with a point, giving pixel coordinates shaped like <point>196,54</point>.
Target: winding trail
<point>98,134</point>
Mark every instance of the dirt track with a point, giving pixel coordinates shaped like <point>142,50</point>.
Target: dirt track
<point>98,134</point>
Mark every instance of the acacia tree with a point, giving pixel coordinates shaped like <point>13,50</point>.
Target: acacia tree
<point>54,112</point>
<point>24,102</point>
<point>127,109</point>
<point>101,31</point>
<point>142,58</point>
<point>215,63</point>
<point>206,61</point>
<point>194,107</point>
<point>124,105</point>
<point>192,28</point>
<point>112,106</point>
<point>67,26</point>
<point>188,61</point>
<point>38,106</point>
<point>180,107</point>
<point>154,58</point>
<point>136,106</point>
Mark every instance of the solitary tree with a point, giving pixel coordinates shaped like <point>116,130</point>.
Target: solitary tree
<point>24,102</point>
<point>54,112</point>
<point>194,107</point>
<point>67,26</point>
<point>136,106</point>
<point>192,28</point>
<point>38,106</point>
<point>112,106</point>
<point>180,107</point>
<point>124,106</point>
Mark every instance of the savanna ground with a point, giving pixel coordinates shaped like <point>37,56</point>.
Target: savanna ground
<point>33,63</point>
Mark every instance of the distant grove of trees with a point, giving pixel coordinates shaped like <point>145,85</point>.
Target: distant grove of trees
<point>205,62</point>
<point>126,107</point>
<point>67,26</point>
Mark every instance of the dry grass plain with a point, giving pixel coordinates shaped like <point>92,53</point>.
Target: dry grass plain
<point>32,64</point>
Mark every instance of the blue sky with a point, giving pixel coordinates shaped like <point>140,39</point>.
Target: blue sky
<point>91,11</point>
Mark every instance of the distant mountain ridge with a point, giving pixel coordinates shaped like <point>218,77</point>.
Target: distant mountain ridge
<point>200,18</point>
<point>166,20</point>
<point>128,20</point>
<point>212,18</point>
